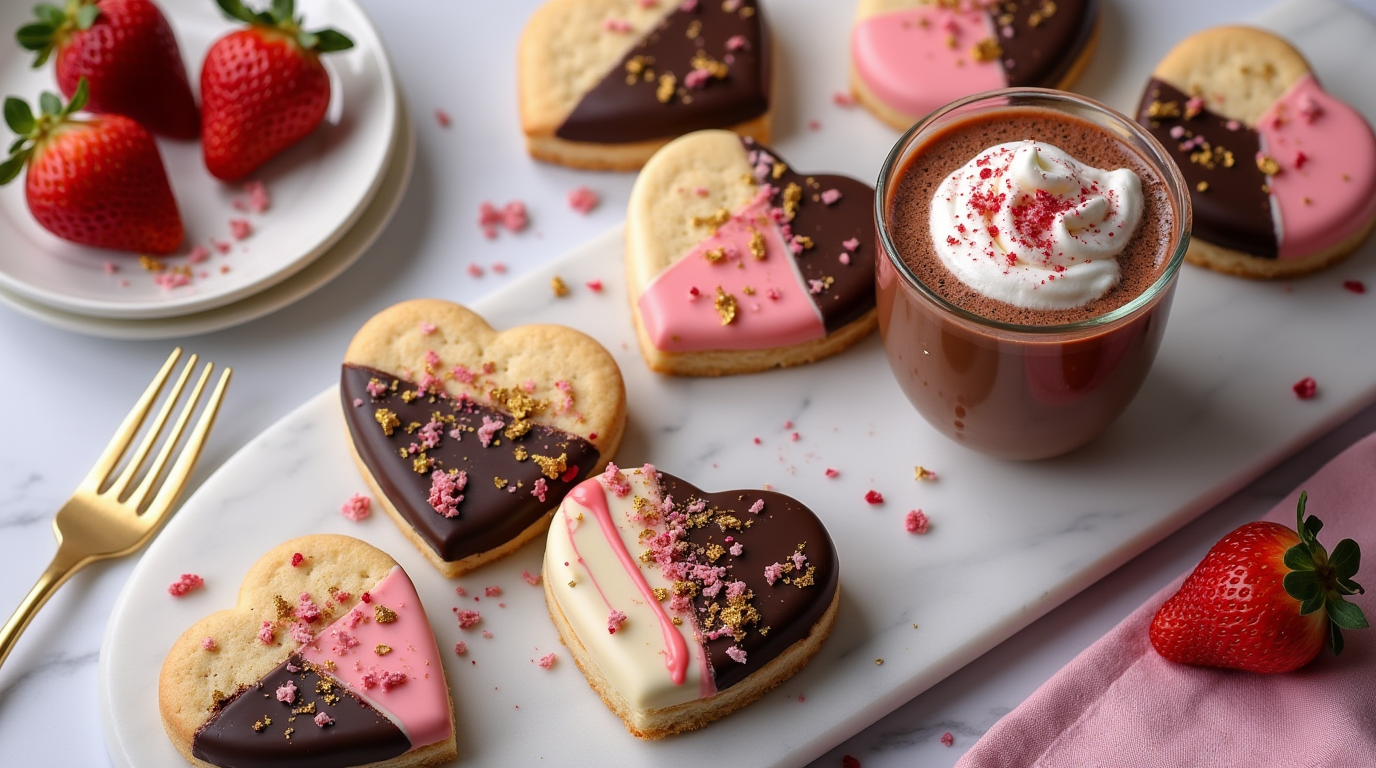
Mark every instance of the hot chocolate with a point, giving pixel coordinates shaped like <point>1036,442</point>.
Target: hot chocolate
<point>1032,240</point>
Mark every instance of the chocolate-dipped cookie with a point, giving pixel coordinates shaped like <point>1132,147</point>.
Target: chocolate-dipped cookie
<point>737,262</point>
<point>909,57</point>
<point>470,437</point>
<point>1282,174</point>
<point>605,83</point>
<point>327,661</point>
<point>681,606</point>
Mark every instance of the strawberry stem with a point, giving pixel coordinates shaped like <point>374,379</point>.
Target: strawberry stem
<point>32,130</point>
<point>1320,580</point>
<point>282,17</point>
<point>54,26</point>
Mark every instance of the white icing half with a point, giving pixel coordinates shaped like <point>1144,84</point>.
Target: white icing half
<point>633,659</point>
<point>1027,224</point>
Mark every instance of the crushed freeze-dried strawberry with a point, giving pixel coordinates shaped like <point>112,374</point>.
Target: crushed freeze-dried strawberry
<point>1306,388</point>
<point>258,200</point>
<point>296,559</point>
<point>492,591</point>
<point>287,692</point>
<point>186,583</point>
<point>468,619</point>
<point>240,229</point>
<point>357,507</point>
<point>737,653</point>
<point>594,285</point>
<point>533,579</point>
<point>874,497</point>
<point>547,661</point>
<point>539,489</point>
<point>487,634</point>
<point>1355,286</point>
<point>842,99</point>
<point>831,472</point>
<point>614,621</point>
<point>846,760</point>
<point>916,522</point>
<point>198,255</point>
<point>443,118</point>
<point>947,739</point>
<point>460,648</point>
<point>322,719</point>
<point>209,643</point>
<point>583,200</point>
<point>265,633</point>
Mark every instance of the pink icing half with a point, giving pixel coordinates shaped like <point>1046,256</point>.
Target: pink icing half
<point>780,312</point>
<point>904,59</point>
<point>1335,140</point>
<point>593,496</point>
<point>420,706</point>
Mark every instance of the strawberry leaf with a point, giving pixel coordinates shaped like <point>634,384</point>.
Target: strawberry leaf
<point>11,167</point>
<point>1312,526</point>
<point>79,98</point>
<point>1346,615</point>
<point>1312,604</point>
<point>329,41</point>
<point>1346,558</point>
<point>36,36</point>
<point>1335,639</point>
<point>283,10</point>
<point>1348,586</point>
<point>19,117</point>
<point>49,103</point>
<point>235,9</point>
<point>19,142</point>
<point>1302,585</point>
<point>1299,558</point>
<point>50,13</point>
<point>86,16</point>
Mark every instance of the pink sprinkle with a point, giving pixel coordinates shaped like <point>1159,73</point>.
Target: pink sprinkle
<point>736,653</point>
<point>492,591</point>
<point>843,99</point>
<point>443,118</point>
<point>533,579</point>
<point>306,609</point>
<point>916,522</point>
<point>1178,132</point>
<point>736,43</point>
<point>594,285</point>
<point>851,244</point>
<point>487,634</point>
<point>427,329</point>
<point>736,549</point>
<point>475,271</point>
<point>468,619</point>
<point>794,437</point>
<point>444,491</point>
<point>757,441</point>
<point>198,254</point>
<point>258,200</point>
<point>1306,388</point>
<point>615,481</point>
<point>240,228</point>
<point>614,621</point>
<point>845,259</point>
<point>287,692</point>
<point>186,583</point>
<point>831,472</point>
<point>322,719</point>
<point>583,200</point>
<point>460,591</point>
<point>815,287</point>
<point>874,497</point>
<point>377,388</point>
<point>698,78</point>
<point>1309,108</point>
<point>462,374</point>
<point>343,641</point>
<point>773,573</point>
<point>499,268</point>
<point>221,246</point>
<point>547,661</point>
<point>617,25</point>
<point>209,643</point>
<point>757,507</point>
<point>111,269</point>
<point>265,633</point>
<point>366,597</point>
<point>490,233</point>
<point>301,633</point>
<point>488,429</point>
<point>788,424</point>
<point>1233,125</point>
<point>296,559</point>
<point>1355,286</point>
<point>460,648</point>
<point>169,280</point>
<point>357,507</point>
<point>947,739</point>
<point>391,680</point>
<point>830,196</point>
<point>1300,160</point>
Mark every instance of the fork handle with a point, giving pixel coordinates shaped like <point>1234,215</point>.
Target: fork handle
<point>64,564</point>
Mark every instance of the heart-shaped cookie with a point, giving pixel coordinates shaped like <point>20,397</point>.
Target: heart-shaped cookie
<point>327,660</point>
<point>470,437</point>
<point>605,83</point>
<point>1282,174</point>
<point>909,57</point>
<point>738,263</point>
<point>682,606</point>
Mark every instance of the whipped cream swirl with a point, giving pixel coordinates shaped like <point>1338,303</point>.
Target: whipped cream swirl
<point>1027,224</point>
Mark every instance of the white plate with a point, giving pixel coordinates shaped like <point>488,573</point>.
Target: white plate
<point>1009,541</point>
<point>319,187</point>
<point>337,258</point>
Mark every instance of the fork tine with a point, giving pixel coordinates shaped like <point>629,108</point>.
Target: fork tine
<point>151,436</point>
<point>186,461</point>
<point>151,478</point>
<point>128,428</point>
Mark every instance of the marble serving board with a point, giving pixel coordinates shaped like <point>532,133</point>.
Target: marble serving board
<point>1008,541</point>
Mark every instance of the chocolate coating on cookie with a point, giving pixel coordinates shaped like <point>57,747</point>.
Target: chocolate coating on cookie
<point>1233,208</point>
<point>849,291</point>
<point>796,601</point>
<point>1047,38</point>
<point>490,514</point>
<point>637,102</point>
<point>255,730</point>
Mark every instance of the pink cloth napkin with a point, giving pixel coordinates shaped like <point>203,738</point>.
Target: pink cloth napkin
<point>1120,704</point>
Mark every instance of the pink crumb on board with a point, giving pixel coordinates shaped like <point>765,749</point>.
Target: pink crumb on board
<point>547,660</point>
<point>916,522</point>
<point>874,497</point>
<point>583,200</point>
<point>186,583</point>
<point>357,507</point>
<point>1306,388</point>
<point>443,118</point>
<point>947,739</point>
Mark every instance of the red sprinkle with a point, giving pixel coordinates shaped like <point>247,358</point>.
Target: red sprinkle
<point>297,558</point>
<point>1356,286</point>
<point>947,739</point>
<point>874,497</point>
<point>570,475</point>
<point>595,286</point>
<point>1306,388</point>
<point>832,472</point>
<point>186,583</point>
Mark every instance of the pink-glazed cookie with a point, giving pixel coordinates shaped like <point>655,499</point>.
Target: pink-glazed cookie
<point>1282,174</point>
<point>909,57</point>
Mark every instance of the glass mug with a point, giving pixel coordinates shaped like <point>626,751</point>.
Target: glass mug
<point>1021,391</point>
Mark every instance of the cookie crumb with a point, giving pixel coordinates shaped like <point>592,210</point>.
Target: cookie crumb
<point>557,285</point>
<point>922,473</point>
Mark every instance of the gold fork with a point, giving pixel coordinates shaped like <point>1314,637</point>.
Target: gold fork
<point>99,521</point>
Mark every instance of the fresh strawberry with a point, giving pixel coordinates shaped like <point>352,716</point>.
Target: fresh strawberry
<point>127,53</point>
<point>96,182</point>
<point>1264,599</point>
<point>262,88</point>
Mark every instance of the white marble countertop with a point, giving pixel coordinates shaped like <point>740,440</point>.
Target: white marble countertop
<point>456,56</point>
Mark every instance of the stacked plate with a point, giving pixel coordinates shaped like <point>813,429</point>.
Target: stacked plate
<point>330,196</point>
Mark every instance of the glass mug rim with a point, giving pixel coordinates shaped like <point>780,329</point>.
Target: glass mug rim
<point>1049,98</point>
